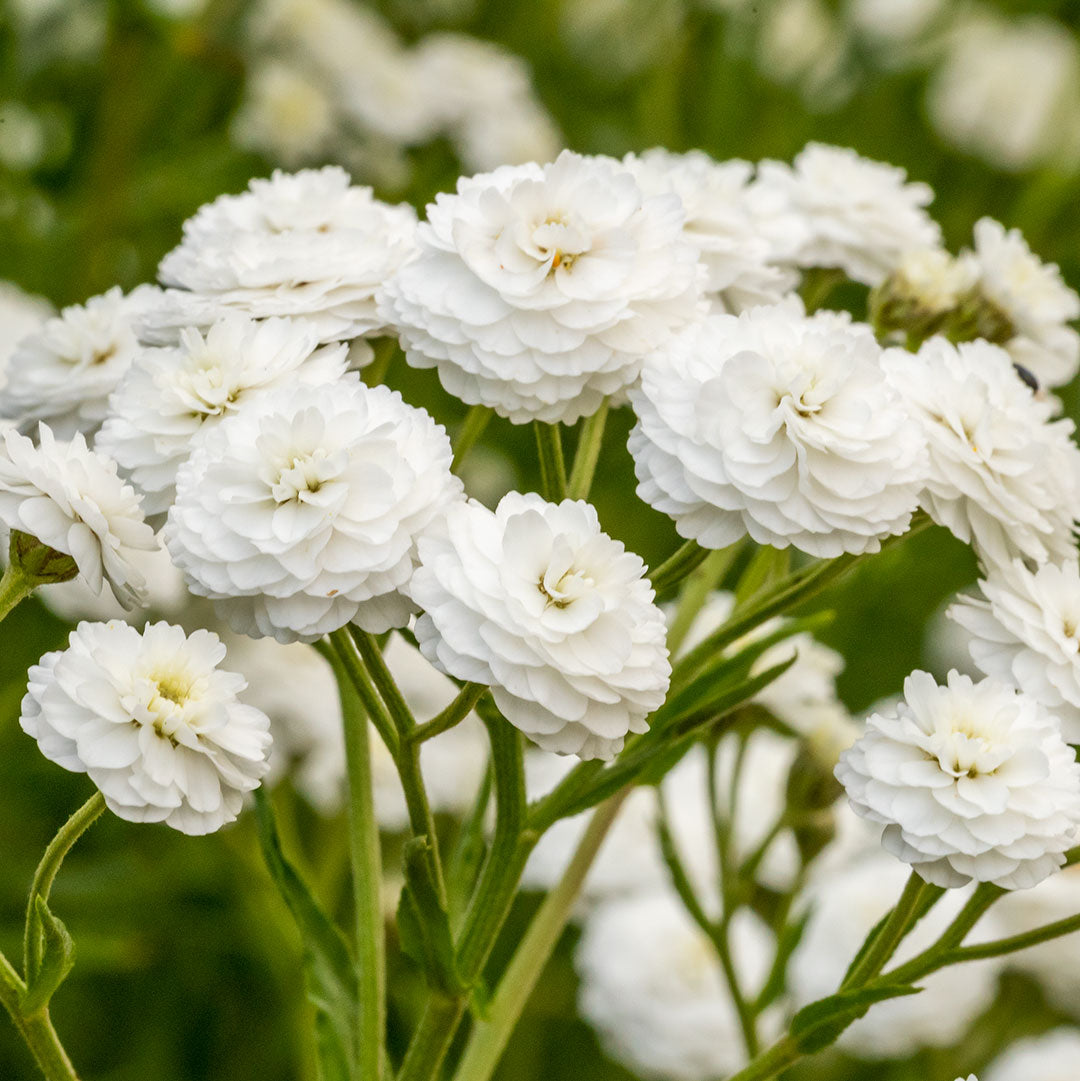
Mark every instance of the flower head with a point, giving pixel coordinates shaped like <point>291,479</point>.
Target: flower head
<point>555,616</point>
<point>1049,1057</point>
<point>780,426</point>
<point>539,289</point>
<point>153,721</point>
<point>299,513</point>
<point>970,780</point>
<point>71,499</point>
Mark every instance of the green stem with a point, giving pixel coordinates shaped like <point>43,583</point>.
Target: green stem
<point>779,1057</point>
<point>472,428</point>
<point>677,566</point>
<point>491,1035</point>
<point>384,682</point>
<point>588,453</point>
<point>338,649</point>
<point>15,586</point>
<point>383,350</point>
<point>550,456</point>
<point>695,591</point>
<point>46,873</point>
<point>452,715</point>
<point>366,861</point>
<point>1013,943</point>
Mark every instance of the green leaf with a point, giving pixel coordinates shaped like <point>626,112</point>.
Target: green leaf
<point>57,958</point>
<point>329,971</point>
<point>423,922</point>
<point>818,1025</point>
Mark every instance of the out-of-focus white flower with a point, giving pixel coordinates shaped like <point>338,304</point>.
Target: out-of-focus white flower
<point>555,616</point>
<point>153,721</point>
<point>1003,476</point>
<point>20,315</point>
<point>64,372</point>
<point>719,224</point>
<point>846,900</point>
<point>590,29</point>
<point>803,44</point>
<point>933,281</point>
<point>970,780</point>
<point>1026,631</point>
<point>777,425</point>
<point>169,395</point>
<point>539,289</point>
<point>653,988</point>
<point>1050,1057</point>
<point>71,499</point>
<point>837,209</point>
<point>1034,298</point>
<point>300,513</point>
<point>304,244</point>
<point>893,22</point>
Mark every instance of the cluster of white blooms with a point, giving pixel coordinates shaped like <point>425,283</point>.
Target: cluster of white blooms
<point>153,721</point>
<point>555,616</point>
<point>538,290</point>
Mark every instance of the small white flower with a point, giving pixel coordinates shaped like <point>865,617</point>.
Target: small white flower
<point>970,780</point>
<point>1003,476</point>
<point>64,372</point>
<point>20,315</point>
<point>555,616</point>
<point>837,209</point>
<point>1050,1057</point>
<point>539,289</point>
<point>169,395</point>
<point>299,513</point>
<point>304,244</point>
<point>780,426</point>
<point>153,721</point>
<point>933,280</point>
<point>71,499</point>
<point>1034,298</point>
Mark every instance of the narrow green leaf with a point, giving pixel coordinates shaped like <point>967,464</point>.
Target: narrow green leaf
<point>423,922</point>
<point>57,958</point>
<point>818,1025</point>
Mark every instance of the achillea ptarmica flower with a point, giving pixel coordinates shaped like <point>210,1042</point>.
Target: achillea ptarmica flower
<point>1051,1056</point>
<point>300,513</point>
<point>742,272</point>
<point>72,500</point>
<point>539,289</point>
<point>837,209</point>
<point>304,244</point>
<point>20,315</point>
<point>780,426</point>
<point>64,372</point>
<point>152,720</point>
<point>970,780</point>
<point>1033,299</point>
<point>1003,476</point>
<point>1026,631</point>
<point>169,395</point>
<point>555,616</point>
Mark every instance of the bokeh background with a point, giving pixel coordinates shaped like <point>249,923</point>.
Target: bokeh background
<point>118,119</point>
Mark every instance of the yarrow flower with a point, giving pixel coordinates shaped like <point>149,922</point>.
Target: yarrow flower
<point>71,499</point>
<point>20,315</point>
<point>1026,631</point>
<point>970,780</point>
<point>777,425</point>
<point>539,289</point>
<point>153,721</point>
<point>307,244</point>
<point>1003,476</point>
<point>169,395</point>
<point>300,513</point>
<point>837,209</point>
<point>555,616</point>
<point>1051,1056</point>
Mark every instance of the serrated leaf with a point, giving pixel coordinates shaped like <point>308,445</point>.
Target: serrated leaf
<point>423,922</point>
<point>818,1025</point>
<point>57,958</point>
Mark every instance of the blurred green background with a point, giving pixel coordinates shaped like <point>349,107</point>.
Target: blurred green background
<point>118,119</point>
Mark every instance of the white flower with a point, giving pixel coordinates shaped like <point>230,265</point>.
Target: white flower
<point>780,426</point>
<point>837,209</point>
<point>306,244</point>
<point>71,499</point>
<point>1027,632</point>
<point>169,395</point>
<point>300,513</point>
<point>555,616</point>
<point>653,988</point>
<point>1050,1057</point>
<point>970,780</point>
<point>1003,476</point>
<point>1034,298</point>
<point>20,315</point>
<point>933,280</point>
<point>539,289</point>
<point>719,223</point>
<point>153,721</point>
<point>64,372</point>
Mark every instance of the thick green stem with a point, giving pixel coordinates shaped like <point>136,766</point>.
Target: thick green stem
<point>338,649</point>
<point>491,1035</point>
<point>677,566</point>
<point>15,586</point>
<point>550,456</point>
<point>41,1038</point>
<point>588,453</point>
<point>452,715</point>
<point>779,1057</point>
<point>472,428</point>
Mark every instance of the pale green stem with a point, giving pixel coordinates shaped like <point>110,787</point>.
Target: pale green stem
<point>452,715</point>
<point>15,586</point>
<point>677,566</point>
<point>384,351</point>
<point>777,1058</point>
<point>550,455</point>
<point>587,454</point>
<point>472,428</point>
<point>695,591</point>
